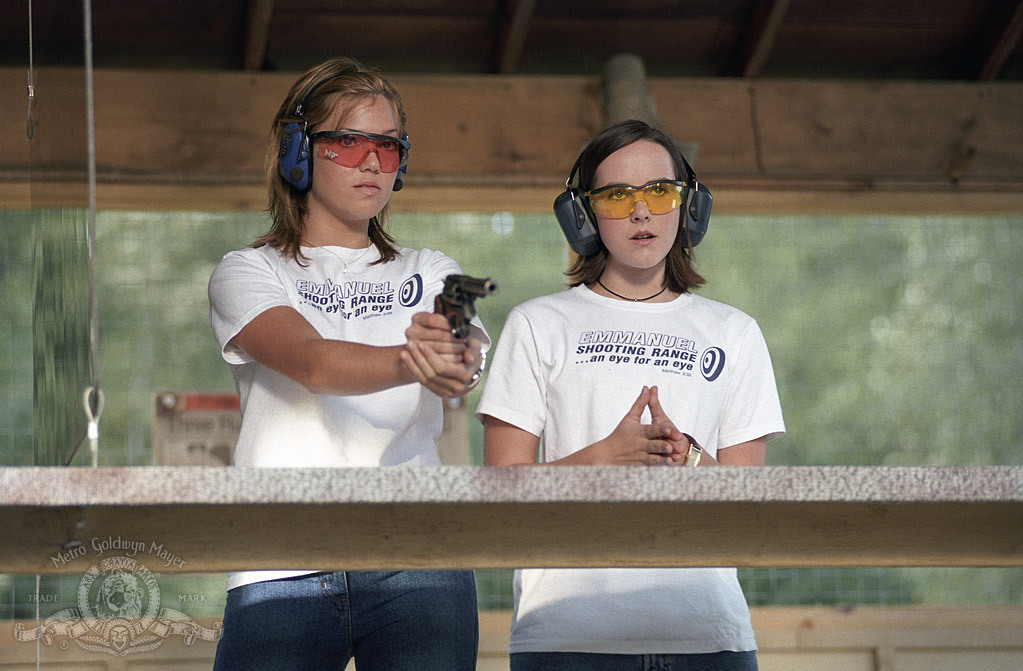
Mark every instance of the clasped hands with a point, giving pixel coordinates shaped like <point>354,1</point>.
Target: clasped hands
<point>436,359</point>
<point>632,442</point>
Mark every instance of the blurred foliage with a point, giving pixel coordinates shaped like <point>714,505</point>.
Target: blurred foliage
<point>895,340</point>
<point>60,332</point>
<point>16,280</point>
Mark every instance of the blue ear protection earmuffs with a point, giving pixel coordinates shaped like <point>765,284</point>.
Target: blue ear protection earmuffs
<point>580,228</point>
<point>295,161</point>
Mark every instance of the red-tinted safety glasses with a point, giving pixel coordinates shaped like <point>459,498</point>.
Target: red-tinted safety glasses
<point>350,148</point>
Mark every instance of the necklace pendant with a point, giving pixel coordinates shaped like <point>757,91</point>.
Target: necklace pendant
<point>346,265</point>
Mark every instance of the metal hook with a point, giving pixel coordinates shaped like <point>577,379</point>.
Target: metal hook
<point>92,431</point>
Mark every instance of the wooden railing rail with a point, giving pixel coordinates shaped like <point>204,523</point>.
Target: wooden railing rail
<point>60,520</point>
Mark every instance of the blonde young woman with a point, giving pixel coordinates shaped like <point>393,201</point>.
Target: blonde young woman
<point>629,367</point>
<point>340,362</point>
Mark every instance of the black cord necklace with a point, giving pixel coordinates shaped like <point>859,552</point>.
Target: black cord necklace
<point>634,300</point>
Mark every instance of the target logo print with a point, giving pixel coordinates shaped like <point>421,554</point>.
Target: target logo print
<point>712,363</point>
<point>411,291</point>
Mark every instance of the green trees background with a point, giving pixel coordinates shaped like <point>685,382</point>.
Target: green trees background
<point>895,341</point>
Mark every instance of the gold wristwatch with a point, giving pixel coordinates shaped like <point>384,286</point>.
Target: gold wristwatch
<point>694,453</point>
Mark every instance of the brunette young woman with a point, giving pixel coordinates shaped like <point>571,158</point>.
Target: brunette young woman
<point>630,367</point>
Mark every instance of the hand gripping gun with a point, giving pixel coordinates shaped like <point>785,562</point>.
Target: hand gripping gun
<point>458,301</point>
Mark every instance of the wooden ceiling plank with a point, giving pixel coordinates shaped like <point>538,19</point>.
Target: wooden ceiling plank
<point>257,33</point>
<point>1001,45</point>
<point>160,132</point>
<point>512,31</point>
<point>758,39</point>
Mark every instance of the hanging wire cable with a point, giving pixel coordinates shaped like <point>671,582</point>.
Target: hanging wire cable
<point>30,124</point>
<point>30,131</point>
<point>90,123</point>
<point>758,144</point>
<point>93,398</point>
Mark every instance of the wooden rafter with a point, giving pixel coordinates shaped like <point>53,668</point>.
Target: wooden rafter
<point>257,33</point>
<point>757,41</point>
<point>1001,43</point>
<point>512,29</point>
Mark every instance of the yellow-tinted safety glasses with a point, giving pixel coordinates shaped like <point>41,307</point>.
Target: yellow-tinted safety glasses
<point>617,201</point>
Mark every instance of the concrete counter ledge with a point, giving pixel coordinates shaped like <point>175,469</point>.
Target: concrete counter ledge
<point>60,520</point>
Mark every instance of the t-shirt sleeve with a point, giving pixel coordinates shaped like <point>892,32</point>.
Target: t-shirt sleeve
<point>515,390</point>
<point>243,285</point>
<point>752,408</point>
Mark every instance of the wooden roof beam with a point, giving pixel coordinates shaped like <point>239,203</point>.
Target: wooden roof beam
<point>257,33</point>
<point>1000,44</point>
<point>758,39</point>
<point>172,139</point>
<point>513,26</point>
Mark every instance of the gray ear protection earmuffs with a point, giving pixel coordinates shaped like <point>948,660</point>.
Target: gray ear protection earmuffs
<point>295,160</point>
<point>580,227</point>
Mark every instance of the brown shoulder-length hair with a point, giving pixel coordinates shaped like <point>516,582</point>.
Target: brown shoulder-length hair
<point>338,82</point>
<point>679,274</point>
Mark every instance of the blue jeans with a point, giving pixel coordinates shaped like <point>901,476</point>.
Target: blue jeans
<point>387,621</point>
<point>584,661</point>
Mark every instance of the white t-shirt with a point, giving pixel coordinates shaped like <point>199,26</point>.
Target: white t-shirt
<point>284,424</point>
<point>567,368</point>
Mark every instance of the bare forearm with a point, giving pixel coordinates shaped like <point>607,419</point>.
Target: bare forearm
<point>348,369</point>
<point>282,340</point>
